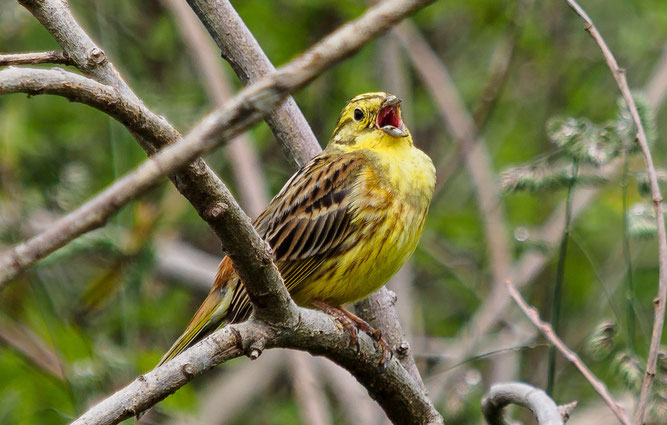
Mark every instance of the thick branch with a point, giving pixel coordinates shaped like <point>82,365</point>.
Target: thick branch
<point>53,56</point>
<point>250,63</point>
<point>501,395</point>
<point>243,159</point>
<point>394,389</point>
<point>570,355</point>
<point>661,298</point>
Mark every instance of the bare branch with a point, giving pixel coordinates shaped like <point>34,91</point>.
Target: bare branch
<point>504,394</point>
<point>391,328</point>
<point>570,355</point>
<point>399,395</point>
<point>394,389</point>
<point>248,60</point>
<point>242,157</point>
<point>661,298</point>
<point>53,56</point>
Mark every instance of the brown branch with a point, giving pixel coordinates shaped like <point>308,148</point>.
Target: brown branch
<point>501,395</point>
<point>394,389</point>
<point>570,355</point>
<point>243,159</point>
<point>53,56</point>
<point>248,60</point>
<point>661,298</point>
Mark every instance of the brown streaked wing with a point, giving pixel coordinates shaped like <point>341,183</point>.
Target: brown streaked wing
<point>308,219</point>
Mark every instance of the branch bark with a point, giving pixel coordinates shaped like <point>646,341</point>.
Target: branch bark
<point>53,56</point>
<point>394,389</point>
<point>501,395</point>
<point>250,63</point>
<point>570,355</point>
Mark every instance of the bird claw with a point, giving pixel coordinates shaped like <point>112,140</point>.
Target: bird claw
<point>353,324</point>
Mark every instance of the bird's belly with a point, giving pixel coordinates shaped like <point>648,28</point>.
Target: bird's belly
<point>384,246</point>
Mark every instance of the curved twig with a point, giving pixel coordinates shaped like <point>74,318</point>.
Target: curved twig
<point>570,355</point>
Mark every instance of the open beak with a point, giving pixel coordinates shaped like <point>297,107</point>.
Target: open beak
<point>389,118</point>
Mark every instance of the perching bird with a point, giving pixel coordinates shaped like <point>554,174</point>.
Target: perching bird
<point>342,225</point>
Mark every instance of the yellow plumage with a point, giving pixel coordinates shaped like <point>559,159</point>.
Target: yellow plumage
<point>343,224</point>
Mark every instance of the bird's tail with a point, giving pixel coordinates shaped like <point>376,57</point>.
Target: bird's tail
<point>210,315</point>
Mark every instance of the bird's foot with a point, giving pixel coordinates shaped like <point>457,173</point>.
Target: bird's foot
<point>353,324</point>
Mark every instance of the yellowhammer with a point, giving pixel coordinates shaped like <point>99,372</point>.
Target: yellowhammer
<point>342,225</point>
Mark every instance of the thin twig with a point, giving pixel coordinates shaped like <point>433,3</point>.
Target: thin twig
<point>501,395</point>
<point>659,301</point>
<point>570,355</point>
<point>34,58</point>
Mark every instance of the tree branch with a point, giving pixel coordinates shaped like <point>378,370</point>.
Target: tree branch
<point>659,301</point>
<point>570,355</point>
<point>243,159</point>
<point>53,56</point>
<point>250,63</point>
<point>501,395</point>
<point>394,389</point>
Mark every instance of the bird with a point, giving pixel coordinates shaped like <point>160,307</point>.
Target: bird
<point>341,226</point>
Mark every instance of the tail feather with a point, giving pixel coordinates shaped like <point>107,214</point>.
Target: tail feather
<point>210,315</point>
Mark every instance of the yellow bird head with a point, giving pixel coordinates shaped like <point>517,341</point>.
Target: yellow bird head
<point>370,120</point>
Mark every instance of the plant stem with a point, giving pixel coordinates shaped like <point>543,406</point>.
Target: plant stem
<point>630,290</point>
<point>555,314</point>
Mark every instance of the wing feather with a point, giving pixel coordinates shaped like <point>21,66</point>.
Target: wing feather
<point>307,221</point>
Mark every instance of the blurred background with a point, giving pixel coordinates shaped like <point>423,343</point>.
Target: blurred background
<point>487,86</point>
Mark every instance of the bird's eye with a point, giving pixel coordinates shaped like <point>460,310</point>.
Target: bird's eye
<point>358,114</point>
